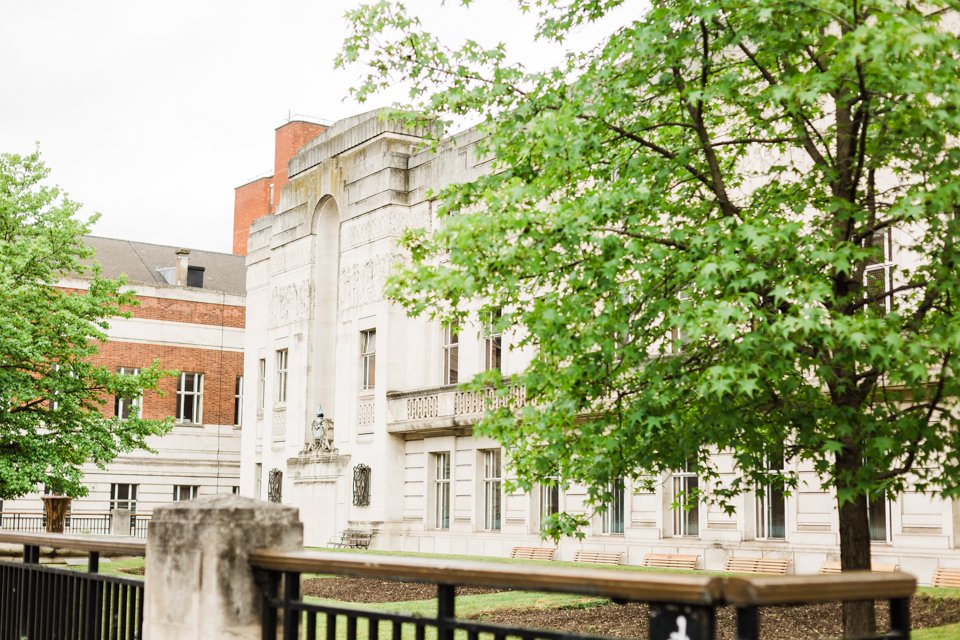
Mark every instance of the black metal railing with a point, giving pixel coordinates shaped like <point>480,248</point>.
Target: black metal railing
<point>80,523</point>
<point>38,602</point>
<point>681,606</point>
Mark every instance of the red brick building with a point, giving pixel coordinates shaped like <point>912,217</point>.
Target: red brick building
<point>260,196</point>
<point>191,319</point>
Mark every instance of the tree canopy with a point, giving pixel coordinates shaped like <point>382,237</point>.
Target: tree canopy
<point>730,226</point>
<point>51,391</point>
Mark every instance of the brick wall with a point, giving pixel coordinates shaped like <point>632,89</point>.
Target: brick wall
<point>250,201</point>
<point>220,369</point>
<point>174,310</point>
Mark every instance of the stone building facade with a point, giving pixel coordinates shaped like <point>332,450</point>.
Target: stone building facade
<point>321,339</point>
<point>191,319</point>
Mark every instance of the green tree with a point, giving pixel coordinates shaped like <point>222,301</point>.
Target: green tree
<point>690,225</point>
<point>51,392</point>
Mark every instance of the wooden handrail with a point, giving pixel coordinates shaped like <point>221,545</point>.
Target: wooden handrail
<point>629,585</point>
<point>848,586</point>
<point>123,545</point>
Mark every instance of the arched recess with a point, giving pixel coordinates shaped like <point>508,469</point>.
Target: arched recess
<point>325,227</point>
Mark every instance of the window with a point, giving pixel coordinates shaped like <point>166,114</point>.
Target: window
<point>771,506</point>
<point>190,398</point>
<point>235,490</point>
<point>281,375</point>
<point>261,382</point>
<point>878,518</point>
<point>368,359</point>
<point>451,355</point>
<point>492,483</point>
<point>549,500</point>
<point>125,408</point>
<point>686,510</point>
<point>878,272</point>
<point>493,344</point>
<point>442,489</point>
<point>613,516</point>
<point>238,402</point>
<point>123,496</point>
<point>184,492</point>
<point>257,480</point>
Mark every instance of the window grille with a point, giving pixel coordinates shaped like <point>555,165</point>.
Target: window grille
<point>274,485</point>
<point>361,485</point>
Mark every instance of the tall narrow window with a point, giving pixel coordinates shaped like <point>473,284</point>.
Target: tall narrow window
<point>492,343</point>
<point>281,375</point>
<point>613,516</point>
<point>123,496</point>
<point>549,500</point>
<point>190,398</point>
<point>771,506</point>
<point>878,272</point>
<point>257,480</point>
<point>442,489</point>
<point>125,408</point>
<point>183,492</point>
<point>261,382</point>
<point>686,513</point>
<point>492,483</point>
<point>878,518</point>
<point>368,359</point>
<point>238,402</point>
<point>451,355</point>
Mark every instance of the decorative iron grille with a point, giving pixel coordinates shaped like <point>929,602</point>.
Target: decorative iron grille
<point>361,485</point>
<point>274,485</point>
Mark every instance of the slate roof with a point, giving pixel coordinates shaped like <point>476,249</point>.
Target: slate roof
<point>140,261</point>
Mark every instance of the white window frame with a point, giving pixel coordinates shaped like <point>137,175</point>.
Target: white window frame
<point>887,519</point>
<point>451,355</point>
<point>549,502</point>
<point>282,360</point>
<point>492,489</point>
<point>493,343</point>
<point>766,504</point>
<point>686,522</point>
<point>123,495</point>
<point>194,397</point>
<point>612,522</point>
<point>368,359</point>
<point>261,383</point>
<point>442,489</point>
<point>182,492</point>
<point>124,405</point>
<point>882,267</point>
<point>238,402</point>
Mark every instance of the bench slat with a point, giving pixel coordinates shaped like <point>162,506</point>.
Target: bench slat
<point>670,560</point>
<point>774,566</point>
<point>533,553</point>
<point>597,557</point>
<point>944,577</point>
<point>834,568</point>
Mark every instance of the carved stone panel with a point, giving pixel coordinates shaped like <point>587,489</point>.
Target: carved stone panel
<point>290,303</point>
<point>382,223</point>
<point>362,283</point>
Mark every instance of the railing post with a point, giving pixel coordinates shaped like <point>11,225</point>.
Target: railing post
<point>446,599</point>
<point>748,623</point>
<point>199,584</point>
<point>291,618</point>
<point>900,617</point>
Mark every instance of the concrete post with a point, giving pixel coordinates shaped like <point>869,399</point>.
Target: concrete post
<point>198,583</point>
<point>120,522</point>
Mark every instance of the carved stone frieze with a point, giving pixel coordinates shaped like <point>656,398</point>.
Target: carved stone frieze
<point>290,303</point>
<point>362,282</point>
<point>390,221</point>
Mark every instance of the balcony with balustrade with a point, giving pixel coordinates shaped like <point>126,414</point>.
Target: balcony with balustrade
<point>444,410</point>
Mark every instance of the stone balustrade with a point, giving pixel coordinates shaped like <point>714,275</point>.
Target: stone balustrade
<point>444,408</point>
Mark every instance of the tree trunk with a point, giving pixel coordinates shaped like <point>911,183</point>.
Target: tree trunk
<point>859,618</point>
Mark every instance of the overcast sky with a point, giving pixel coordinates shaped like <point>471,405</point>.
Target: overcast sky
<point>151,113</point>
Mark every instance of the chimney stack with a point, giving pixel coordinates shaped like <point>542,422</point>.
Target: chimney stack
<point>183,262</point>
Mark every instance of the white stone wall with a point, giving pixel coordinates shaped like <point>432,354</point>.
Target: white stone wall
<point>315,276</point>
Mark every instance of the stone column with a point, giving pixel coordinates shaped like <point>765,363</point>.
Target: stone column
<point>199,585</point>
<point>120,522</point>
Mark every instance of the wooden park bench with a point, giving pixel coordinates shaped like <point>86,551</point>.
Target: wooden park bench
<point>670,560</point>
<point>533,553</point>
<point>597,557</point>
<point>773,566</point>
<point>352,539</point>
<point>944,577</point>
<point>834,567</point>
